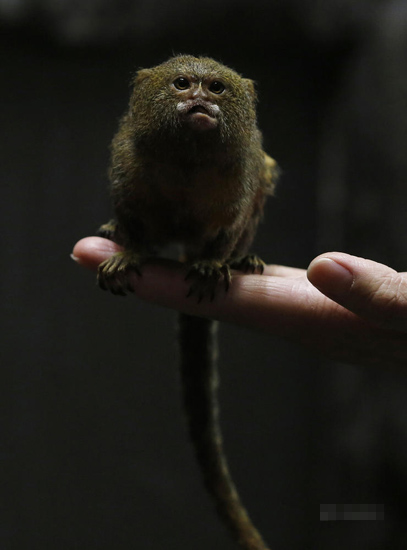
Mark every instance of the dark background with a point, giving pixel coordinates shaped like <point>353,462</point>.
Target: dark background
<point>93,449</point>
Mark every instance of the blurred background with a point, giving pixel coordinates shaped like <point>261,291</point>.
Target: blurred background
<point>93,449</point>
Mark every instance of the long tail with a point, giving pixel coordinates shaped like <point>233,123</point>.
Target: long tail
<point>199,350</point>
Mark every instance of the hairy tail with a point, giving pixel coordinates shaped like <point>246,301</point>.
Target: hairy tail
<point>198,341</point>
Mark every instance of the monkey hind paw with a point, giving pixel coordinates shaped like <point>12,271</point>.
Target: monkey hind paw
<point>248,264</point>
<point>107,230</point>
<point>205,276</point>
<point>113,272</point>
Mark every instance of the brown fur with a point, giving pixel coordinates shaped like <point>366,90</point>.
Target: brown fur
<point>171,182</point>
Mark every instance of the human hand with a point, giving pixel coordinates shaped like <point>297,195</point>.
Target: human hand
<point>344,307</point>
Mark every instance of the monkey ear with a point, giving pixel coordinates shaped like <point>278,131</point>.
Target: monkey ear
<point>141,75</point>
<point>250,88</point>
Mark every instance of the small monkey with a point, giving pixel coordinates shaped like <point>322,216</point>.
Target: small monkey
<point>188,167</point>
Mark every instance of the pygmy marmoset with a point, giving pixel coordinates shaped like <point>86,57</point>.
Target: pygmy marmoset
<point>188,167</point>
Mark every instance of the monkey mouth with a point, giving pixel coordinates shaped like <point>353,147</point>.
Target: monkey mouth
<point>201,116</point>
<point>199,109</point>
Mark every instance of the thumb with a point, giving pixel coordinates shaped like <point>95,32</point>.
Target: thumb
<point>371,290</point>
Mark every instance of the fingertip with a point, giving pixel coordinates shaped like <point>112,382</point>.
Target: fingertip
<point>91,251</point>
<point>330,276</point>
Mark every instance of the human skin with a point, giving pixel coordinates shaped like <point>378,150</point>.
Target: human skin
<point>343,307</point>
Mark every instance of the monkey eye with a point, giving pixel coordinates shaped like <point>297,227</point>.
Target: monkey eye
<point>181,83</point>
<point>217,87</point>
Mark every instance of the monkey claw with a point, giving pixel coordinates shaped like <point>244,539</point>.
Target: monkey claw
<point>113,272</point>
<point>248,264</point>
<point>205,276</point>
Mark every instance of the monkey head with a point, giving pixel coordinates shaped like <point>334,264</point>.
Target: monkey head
<point>193,96</point>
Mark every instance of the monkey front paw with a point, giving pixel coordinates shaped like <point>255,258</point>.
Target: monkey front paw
<point>205,276</point>
<point>248,264</point>
<point>107,230</point>
<point>113,272</point>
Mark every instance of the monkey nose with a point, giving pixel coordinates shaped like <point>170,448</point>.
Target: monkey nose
<point>199,92</point>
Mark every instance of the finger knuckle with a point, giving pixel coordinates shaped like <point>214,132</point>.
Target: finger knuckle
<point>389,298</point>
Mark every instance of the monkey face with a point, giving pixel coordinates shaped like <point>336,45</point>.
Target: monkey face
<point>195,96</point>
<point>196,106</point>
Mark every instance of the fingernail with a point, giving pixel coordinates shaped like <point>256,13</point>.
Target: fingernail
<point>75,258</point>
<point>330,276</point>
